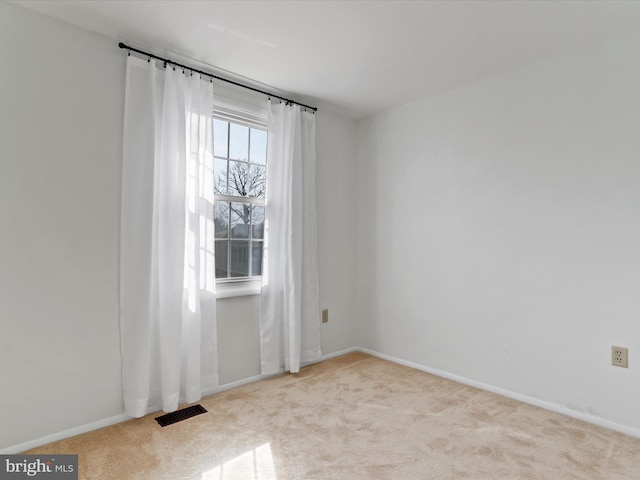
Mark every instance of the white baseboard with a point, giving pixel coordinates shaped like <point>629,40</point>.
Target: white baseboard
<point>440,373</point>
<point>238,383</point>
<point>601,422</point>
<point>106,422</point>
<point>339,353</point>
<point>71,432</point>
<point>255,378</point>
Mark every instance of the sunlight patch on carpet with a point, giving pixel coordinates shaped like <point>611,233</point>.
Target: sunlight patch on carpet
<point>255,464</point>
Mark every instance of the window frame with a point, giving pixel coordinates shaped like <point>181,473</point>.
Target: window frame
<point>233,112</point>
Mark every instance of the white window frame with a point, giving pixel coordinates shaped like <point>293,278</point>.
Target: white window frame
<point>252,116</point>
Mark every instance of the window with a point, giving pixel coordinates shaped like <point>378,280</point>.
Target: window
<point>240,158</point>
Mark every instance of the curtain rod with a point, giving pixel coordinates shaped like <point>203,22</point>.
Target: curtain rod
<point>171,62</point>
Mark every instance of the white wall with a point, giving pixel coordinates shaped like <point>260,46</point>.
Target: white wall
<point>337,247</point>
<point>61,109</point>
<point>499,231</point>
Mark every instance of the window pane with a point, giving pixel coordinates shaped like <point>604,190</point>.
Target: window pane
<point>258,149</point>
<point>220,170</point>
<point>239,171</point>
<point>222,257</point>
<point>239,259</point>
<point>257,221</point>
<point>256,258</point>
<point>221,220</point>
<point>238,178</point>
<point>256,181</point>
<point>246,180</point>
<point>240,219</point>
<point>220,137</point>
<point>239,142</point>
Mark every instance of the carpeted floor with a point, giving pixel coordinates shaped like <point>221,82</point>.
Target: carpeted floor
<point>356,417</point>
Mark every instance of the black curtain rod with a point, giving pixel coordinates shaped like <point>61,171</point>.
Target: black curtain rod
<point>171,62</point>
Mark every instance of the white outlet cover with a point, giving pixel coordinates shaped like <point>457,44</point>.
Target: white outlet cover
<point>619,357</point>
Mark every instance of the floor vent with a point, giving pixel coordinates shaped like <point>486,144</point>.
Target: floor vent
<point>180,415</point>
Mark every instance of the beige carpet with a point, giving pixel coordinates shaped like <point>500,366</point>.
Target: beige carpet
<point>357,417</point>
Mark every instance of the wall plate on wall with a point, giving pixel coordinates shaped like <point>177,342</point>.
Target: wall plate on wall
<point>619,357</point>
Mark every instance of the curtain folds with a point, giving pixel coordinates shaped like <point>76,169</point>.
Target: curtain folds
<point>167,267</point>
<point>290,311</point>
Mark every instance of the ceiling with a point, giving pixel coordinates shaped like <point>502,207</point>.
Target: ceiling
<point>356,57</point>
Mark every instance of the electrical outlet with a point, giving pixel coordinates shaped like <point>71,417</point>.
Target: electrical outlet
<point>619,357</point>
<point>325,315</point>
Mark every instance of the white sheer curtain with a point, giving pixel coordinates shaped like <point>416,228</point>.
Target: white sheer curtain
<point>167,267</point>
<point>290,310</point>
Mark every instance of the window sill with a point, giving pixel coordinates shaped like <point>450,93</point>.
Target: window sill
<point>238,289</point>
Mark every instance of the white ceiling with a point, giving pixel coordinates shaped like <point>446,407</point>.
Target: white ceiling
<point>359,57</point>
